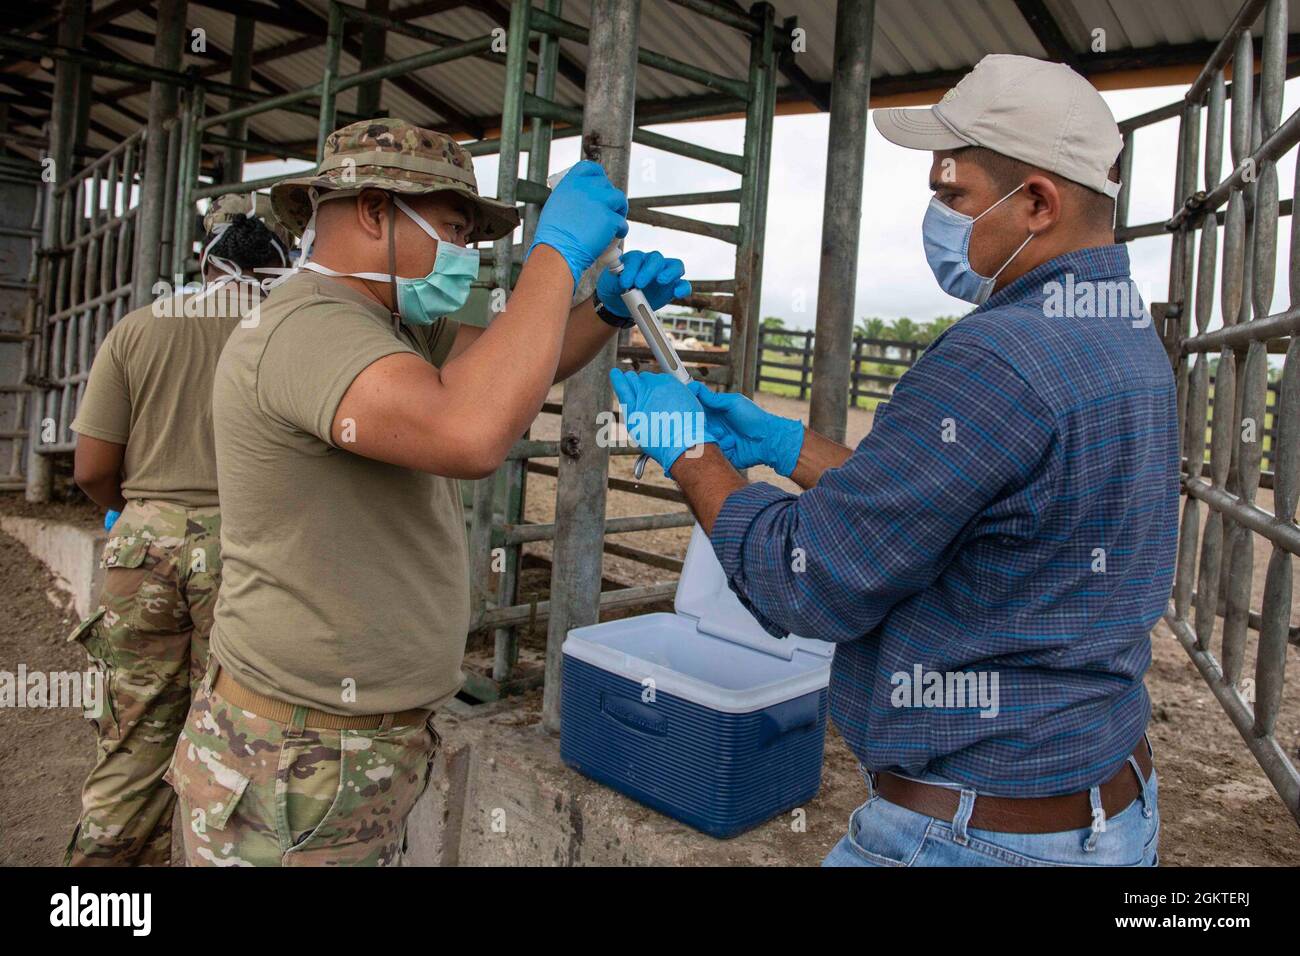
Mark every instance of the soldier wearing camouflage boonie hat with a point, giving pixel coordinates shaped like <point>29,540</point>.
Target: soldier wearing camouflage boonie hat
<point>399,157</point>
<point>227,207</point>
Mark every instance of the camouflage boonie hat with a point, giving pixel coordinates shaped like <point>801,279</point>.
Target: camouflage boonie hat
<point>226,207</point>
<point>399,157</point>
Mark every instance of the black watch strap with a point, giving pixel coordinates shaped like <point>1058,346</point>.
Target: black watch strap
<point>609,318</point>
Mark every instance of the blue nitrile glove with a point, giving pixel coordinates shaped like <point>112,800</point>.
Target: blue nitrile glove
<point>757,437</point>
<point>583,215</point>
<point>658,277</point>
<point>660,415</point>
<point>110,519</point>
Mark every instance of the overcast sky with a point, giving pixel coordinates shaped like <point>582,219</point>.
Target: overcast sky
<point>893,279</point>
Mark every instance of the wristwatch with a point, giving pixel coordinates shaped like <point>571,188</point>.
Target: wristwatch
<point>609,318</point>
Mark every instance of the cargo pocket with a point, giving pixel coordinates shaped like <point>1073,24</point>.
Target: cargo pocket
<point>142,584</point>
<point>85,633</point>
<point>125,551</point>
<point>208,796</point>
<point>99,655</point>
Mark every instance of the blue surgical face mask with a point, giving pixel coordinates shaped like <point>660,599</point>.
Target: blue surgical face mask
<point>444,290</point>
<point>945,234</point>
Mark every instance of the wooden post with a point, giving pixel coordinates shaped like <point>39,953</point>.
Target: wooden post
<point>805,360</point>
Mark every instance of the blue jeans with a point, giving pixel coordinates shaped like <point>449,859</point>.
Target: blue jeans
<point>884,834</point>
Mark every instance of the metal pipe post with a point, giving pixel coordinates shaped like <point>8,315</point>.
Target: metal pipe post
<point>373,39</point>
<point>191,155</point>
<point>241,74</point>
<point>741,320</point>
<point>583,465</point>
<point>841,217</point>
<point>505,639</point>
<point>765,92</point>
<point>330,78</point>
<point>483,506</point>
<point>62,132</point>
<point>162,107</point>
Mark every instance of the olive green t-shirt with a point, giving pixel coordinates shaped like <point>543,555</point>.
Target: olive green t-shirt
<point>345,582</point>
<point>150,389</point>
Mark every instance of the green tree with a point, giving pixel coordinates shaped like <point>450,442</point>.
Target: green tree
<point>904,330</point>
<point>935,327</point>
<point>774,324</point>
<point>870,328</point>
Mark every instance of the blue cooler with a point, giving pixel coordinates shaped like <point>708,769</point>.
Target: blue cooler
<point>700,714</point>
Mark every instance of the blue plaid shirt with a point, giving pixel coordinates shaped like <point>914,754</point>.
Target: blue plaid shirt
<point>1013,512</point>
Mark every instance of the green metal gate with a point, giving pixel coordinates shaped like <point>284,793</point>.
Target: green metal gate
<point>1225,510</point>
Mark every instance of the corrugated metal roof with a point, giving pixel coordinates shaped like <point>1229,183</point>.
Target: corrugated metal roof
<point>917,42</point>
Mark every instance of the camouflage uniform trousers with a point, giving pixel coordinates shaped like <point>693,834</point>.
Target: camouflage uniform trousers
<point>259,792</point>
<point>148,640</point>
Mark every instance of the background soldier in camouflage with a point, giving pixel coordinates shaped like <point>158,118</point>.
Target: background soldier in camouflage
<point>148,640</point>
<point>145,446</point>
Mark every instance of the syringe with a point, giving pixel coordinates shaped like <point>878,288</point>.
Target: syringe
<point>661,346</point>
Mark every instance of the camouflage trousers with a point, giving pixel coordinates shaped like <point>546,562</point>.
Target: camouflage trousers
<point>148,640</point>
<point>258,792</point>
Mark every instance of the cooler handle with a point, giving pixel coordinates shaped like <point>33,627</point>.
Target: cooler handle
<point>799,714</point>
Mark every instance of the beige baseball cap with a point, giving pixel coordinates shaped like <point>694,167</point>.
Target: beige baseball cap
<point>1038,112</point>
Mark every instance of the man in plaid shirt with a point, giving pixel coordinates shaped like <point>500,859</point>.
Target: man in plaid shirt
<point>991,558</point>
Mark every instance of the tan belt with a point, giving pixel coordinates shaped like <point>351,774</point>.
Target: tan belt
<point>281,711</point>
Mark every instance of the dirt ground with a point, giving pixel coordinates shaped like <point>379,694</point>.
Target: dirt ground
<point>44,754</point>
<point>1217,807</point>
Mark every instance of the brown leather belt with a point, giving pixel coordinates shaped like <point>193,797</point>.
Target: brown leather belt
<point>237,695</point>
<point>1071,811</point>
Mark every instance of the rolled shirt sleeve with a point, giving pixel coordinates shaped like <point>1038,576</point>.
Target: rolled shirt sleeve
<point>964,433</point>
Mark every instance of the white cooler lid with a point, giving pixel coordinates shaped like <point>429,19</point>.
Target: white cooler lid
<point>704,596</point>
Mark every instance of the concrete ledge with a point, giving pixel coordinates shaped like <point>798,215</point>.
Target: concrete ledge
<point>501,796</point>
<point>71,553</point>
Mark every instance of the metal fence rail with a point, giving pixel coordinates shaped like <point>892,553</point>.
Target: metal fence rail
<point>1216,555</point>
<point>84,283</point>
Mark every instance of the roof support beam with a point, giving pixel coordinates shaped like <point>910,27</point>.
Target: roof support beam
<point>279,15</point>
<point>30,92</point>
<point>457,120</point>
<point>819,93</point>
<point>1048,32</point>
<point>568,67</point>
